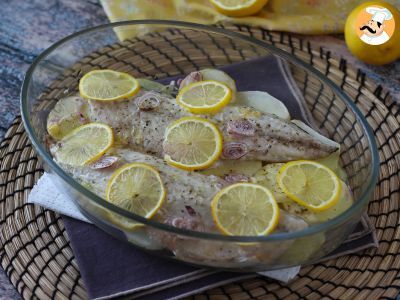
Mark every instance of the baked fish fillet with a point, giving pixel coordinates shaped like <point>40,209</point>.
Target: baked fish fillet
<point>187,206</point>
<point>248,134</point>
<point>189,194</point>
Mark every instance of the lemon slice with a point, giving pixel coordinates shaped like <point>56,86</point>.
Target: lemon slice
<point>192,143</point>
<point>204,97</point>
<point>310,184</point>
<point>108,85</point>
<point>137,188</point>
<point>245,209</point>
<point>67,114</point>
<point>85,144</point>
<point>239,8</point>
<point>344,203</point>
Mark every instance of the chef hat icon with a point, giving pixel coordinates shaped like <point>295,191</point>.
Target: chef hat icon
<point>379,14</point>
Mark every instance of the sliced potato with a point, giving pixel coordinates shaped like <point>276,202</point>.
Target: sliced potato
<point>341,173</point>
<point>267,177</point>
<point>332,162</point>
<point>344,203</point>
<point>263,102</point>
<point>225,167</point>
<point>150,85</point>
<point>220,76</point>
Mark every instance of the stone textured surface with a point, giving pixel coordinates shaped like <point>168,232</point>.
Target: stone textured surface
<point>28,27</point>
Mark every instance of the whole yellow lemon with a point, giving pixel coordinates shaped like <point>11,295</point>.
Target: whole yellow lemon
<point>372,32</point>
<point>239,8</point>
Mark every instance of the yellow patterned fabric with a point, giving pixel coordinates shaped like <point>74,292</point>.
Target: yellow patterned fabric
<point>300,16</point>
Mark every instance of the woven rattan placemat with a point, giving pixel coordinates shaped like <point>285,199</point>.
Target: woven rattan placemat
<point>37,257</point>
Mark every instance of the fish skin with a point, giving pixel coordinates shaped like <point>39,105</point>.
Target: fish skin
<point>275,139</point>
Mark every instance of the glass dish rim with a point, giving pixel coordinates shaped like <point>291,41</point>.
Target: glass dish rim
<point>40,148</point>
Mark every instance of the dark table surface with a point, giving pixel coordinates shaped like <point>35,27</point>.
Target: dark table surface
<point>29,27</point>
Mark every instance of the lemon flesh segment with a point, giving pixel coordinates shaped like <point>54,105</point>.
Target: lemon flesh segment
<point>310,184</point>
<point>137,188</point>
<point>85,144</point>
<point>108,85</point>
<point>245,209</point>
<point>192,143</point>
<point>204,97</point>
<point>239,8</point>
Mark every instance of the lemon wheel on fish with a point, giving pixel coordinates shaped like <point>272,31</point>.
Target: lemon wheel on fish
<point>108,85</point>
<point>137,188</point>
<point>245,209</point>
<point>85,144</point>
<point>204,97</point>
<point>192,143</point>
<point>310,184</point>
<point>344,203</point>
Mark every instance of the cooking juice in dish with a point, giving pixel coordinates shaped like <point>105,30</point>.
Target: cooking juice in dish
<point>199,155</point>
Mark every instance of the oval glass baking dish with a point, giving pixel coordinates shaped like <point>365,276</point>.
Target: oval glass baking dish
<point>167,49</point>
